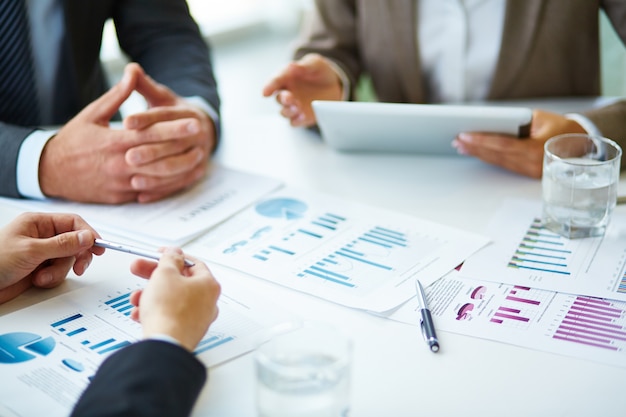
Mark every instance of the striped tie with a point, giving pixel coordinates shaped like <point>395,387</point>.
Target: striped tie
<point>18,98</point>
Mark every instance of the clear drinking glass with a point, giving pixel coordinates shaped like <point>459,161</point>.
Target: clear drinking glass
<point>304,373</point>
<point>579,183</point>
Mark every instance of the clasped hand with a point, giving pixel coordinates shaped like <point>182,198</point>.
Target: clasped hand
<point>158,152</point>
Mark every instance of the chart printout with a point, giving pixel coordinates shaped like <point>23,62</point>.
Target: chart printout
<point>172,221</point>
<point>342,251</point>
<point>525,253</point>
<point>572,325</point>
<point>49,351</point>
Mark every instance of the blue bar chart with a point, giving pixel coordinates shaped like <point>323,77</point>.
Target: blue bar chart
<point>90,332</point>
<point>211,341</point>
<point>121,304</point>
<point>543,251</point>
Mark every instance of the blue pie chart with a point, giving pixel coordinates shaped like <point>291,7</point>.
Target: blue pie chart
<point>22,346</point>
<point>282,208</point>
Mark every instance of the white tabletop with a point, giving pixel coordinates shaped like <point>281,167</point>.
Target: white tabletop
<point>394,374</point>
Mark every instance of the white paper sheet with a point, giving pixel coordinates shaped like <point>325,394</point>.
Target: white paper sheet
<point>49,351</point>
<point>572,325</point>
<point>525,253</point>
<point>175,220</point>
<point>345,252</point>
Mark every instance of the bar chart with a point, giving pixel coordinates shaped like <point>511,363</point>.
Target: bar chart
<point>121,304</point>
<point>91,333</point>
<point>542,250</point>
<point>336,249</point>
<point>593,322</point>
<point>520,307</point>
<point>526,253</point>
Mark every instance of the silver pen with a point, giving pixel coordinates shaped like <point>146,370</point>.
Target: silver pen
<point>426,322</point>
<point>133,250</point>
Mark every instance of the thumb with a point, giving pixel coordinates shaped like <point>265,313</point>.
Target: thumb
<point>104,108</point>
<point>172,260</point>
<point>156,94</point>
<point>64,244</point>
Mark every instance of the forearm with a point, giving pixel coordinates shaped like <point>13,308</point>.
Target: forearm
<point>147,379</point>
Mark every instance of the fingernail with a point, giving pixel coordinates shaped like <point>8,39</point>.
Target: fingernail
<point>134,157</point>
<point>465,137</point>
<point>84,238</point>
<point>138,183</point>
<point>193,128</point>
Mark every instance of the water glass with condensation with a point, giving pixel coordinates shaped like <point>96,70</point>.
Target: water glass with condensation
<point>579,184</point>
<point>304,373</point>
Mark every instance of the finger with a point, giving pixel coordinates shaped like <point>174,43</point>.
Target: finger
<point>106,106</point>
<point>178,184</point>
<point>165,131</point>
<point>54,273</point>
<point>143,268</point>
<point>155,115</point>
<point>63,244</point>
<point>291,112</point>
<point>135,296</point>
<point>82,262</point>
<point>149,153</point>
<point>172,260</point>
<point>156,94</point>
<point>287,98</point>
<point>277,83</point>
<point>301,120</point>
<point>169,167</point>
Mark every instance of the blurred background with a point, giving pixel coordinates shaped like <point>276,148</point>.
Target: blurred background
<point>253,39</point>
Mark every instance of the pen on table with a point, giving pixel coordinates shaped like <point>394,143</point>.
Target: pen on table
<point>133,250</point>
<point>428,327</point>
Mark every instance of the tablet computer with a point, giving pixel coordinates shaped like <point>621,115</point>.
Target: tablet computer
<point>419,128</point>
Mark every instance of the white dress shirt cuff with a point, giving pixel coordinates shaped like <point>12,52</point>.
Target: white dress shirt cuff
<point>585,123</point>
<point>27,171</point>
<point>345,81</point>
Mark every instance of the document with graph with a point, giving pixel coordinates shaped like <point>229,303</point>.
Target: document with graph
<point>572,325</point>
<point>523,252</point>
<point>175,220</point>
<point>349,253</point>
<point>50,351</point>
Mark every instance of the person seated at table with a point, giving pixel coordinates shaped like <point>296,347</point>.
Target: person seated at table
<point>158,376</point>
<point>440,51</point>
<point>51,75</point>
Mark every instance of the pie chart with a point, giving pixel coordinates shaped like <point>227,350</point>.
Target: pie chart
<point>22,346</point>
<point>282,208</point>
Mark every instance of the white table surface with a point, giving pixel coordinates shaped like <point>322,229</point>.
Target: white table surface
<point>394,374</point>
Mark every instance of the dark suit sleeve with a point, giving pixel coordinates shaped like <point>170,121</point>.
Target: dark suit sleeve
<point>164,39</point>
<point>148,378</point>
<point>11,138</point>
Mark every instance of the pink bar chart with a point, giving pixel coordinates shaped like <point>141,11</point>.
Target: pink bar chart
<point>594,322</point>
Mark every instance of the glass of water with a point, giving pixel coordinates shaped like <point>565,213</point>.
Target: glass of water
<point>579,183</point>
<point>304,373</point>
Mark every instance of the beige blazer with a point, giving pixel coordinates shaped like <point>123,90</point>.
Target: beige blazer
<point>550,48</point>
